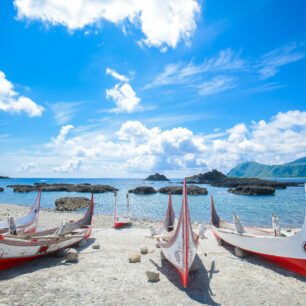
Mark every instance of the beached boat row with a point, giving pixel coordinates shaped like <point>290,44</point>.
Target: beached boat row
<point>20,242</point>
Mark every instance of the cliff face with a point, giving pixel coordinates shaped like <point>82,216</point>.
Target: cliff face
<point>295,169</point>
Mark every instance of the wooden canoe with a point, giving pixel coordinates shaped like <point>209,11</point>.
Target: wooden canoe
<point>25,224</point>
<point>15,250</point>
<point>177,240</point>
<point>287,252</point>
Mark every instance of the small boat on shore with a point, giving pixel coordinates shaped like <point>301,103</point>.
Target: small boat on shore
<point>287,252</point>
<point>177,240</point>
<point>25,224</point>
<point>16,249</point>
<point>120,220</point>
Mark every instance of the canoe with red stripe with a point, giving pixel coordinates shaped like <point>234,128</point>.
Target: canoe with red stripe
<point>25,224</point>
<point>287,252</point>
<point>120,220</point>
<point>178,242</point>
<point>16,249</point>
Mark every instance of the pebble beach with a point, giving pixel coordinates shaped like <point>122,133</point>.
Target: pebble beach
<point>104,275</point>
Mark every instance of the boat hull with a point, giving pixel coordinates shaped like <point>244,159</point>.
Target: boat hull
<point>17,249</point>
<point>34,251</point>
<point>270,249</point>
<point>180,247</point>
<point>120,224</point>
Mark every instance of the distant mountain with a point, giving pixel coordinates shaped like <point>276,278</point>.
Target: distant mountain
<point>294,169</point>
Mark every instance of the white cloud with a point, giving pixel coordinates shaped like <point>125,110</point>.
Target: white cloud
<point>226,60</point>
<point>135,148</point>
<point>163,22</point>
<point>69,166</point>
<point>272,61</point>
<point>56,142</point>
<point>11,102</point>
<point>116,75</point>
<point>216,85</point>
<point>29,167</point>
<point>124,97</point>
<point>63,111</point>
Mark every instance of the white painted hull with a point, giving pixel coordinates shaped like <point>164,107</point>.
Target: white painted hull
<point>288,252</point>
<point>25,224</point>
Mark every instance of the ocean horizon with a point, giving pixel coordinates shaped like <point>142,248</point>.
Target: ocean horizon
<point>289,204</point>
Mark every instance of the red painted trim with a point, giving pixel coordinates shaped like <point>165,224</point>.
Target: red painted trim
<point>6,263</point>
<point>119,224</point>
<point>296,265</point>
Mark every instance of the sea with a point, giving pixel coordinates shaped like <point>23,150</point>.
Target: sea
<point>289,204</point>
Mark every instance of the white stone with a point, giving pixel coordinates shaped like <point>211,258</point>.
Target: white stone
<point>152,276</point>
<point>143,249</point>
<point>72,255</point>
<point>135,257</point>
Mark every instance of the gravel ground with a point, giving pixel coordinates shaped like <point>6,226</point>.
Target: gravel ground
<point>104,276</point>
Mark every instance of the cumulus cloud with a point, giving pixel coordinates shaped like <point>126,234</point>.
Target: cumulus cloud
<point>55,142</point>
<point>124,97</point>
<point>69,166</point>
<point>29,167</point>
<point>116,75</point>
<point>11,102</point>
<point>163,22</point>
<point>137,148</point>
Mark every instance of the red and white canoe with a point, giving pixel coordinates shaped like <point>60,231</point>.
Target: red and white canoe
<point>120,220</point>
<point>16,249</point>
<point>177,240</point>
<point>287,252</point>
<point>25,224</point>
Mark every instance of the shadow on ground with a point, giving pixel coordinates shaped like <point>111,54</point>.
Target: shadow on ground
<point>198,287</point>
<point>41,262</point>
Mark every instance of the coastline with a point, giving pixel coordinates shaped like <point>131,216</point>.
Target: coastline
<point>105,276</point>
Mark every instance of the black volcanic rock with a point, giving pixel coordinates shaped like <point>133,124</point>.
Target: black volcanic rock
<point>218,179</point>
<point>1,189</point>
<point>253,190</point>
<point>64,187</point>
<point>213,175</point>
<point>156,177</point>
<point>191,189</point>
<point>143,190</point>
<point>71,203</point>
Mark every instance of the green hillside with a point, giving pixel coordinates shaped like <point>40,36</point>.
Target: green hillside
<point>294,169</point>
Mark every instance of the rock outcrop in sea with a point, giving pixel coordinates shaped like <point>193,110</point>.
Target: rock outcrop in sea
<point>64,187</point>
<point>218,179</point>
<point>71,203</point>
<point>253,190</point>
<point>143,190</point>
<point>156,177</point>
<point>1,189</point>
<point>191,189</point>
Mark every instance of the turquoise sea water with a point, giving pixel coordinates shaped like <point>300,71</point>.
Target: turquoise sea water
<point>289,204</point>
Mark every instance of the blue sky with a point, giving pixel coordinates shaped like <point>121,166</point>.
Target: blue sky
<point>126,88</point>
